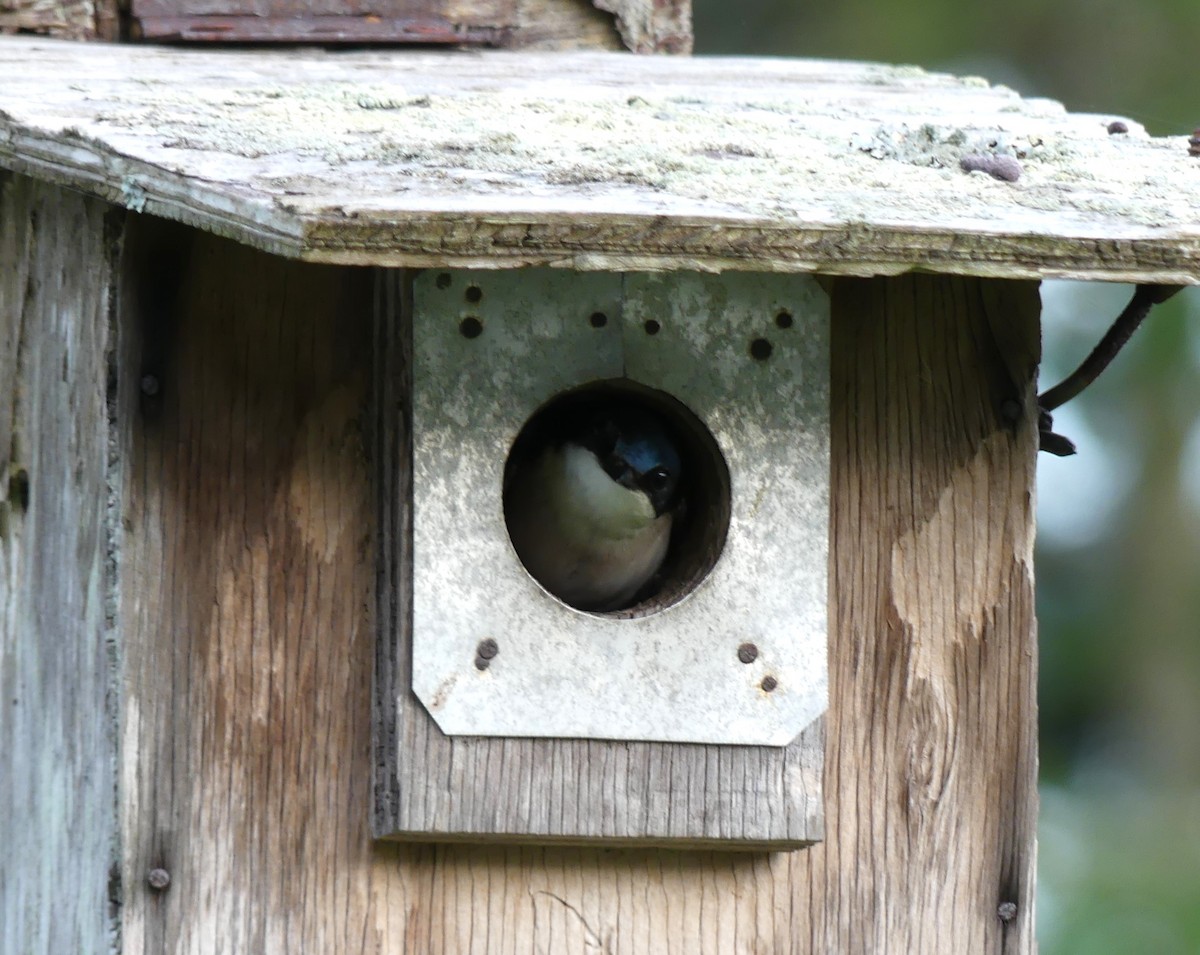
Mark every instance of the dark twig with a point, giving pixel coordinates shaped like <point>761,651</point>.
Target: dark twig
<point>1145,297</point>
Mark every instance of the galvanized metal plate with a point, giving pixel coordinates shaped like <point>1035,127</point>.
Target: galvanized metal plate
<point>749,355</point>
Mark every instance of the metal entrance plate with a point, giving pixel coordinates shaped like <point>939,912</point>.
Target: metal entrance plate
<point>739,660</point>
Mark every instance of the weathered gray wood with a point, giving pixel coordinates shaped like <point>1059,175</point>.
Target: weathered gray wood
<point>653,26</point>
<point>57,741</point>
<point>601,161</point>
<point>246,606</point>
<point>440,787</point>
<point>639,25</point>
<point>70,19</point>
<point>251,514</point>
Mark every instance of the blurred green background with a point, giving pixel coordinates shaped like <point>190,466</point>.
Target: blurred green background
<point>1118,558</point>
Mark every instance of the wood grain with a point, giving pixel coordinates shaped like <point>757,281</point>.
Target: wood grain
<point>68,19</point>
<point>595,160</point>
<point>57,742</point>
<point>638,25</point>
<point>248,617</point>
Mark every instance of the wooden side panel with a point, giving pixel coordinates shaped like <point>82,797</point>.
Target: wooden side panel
<point>250,515</point>
<point>57,812</point>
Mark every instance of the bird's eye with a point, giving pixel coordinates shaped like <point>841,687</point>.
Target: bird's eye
<point>658,479</point>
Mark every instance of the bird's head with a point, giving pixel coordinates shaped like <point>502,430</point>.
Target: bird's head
<point>636,451</point>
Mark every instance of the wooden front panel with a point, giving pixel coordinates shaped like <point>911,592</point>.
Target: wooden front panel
<point>57,816</point>
<point>247,616</point>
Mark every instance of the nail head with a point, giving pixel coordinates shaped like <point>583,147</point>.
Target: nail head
<point>1007,911</point>
<point>158,879</point>
<point>487,649</point>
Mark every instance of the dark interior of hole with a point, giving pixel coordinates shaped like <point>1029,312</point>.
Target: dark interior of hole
<point>699,531</point>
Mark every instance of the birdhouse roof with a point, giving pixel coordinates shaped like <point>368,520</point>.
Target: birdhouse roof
<point>603,161</point>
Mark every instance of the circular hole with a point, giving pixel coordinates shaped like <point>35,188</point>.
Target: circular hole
<point>598,319</point>
<point>760,349</point>
<point>470,327</point>
<point>783,319</point>
<point>443,280</point>
<point>652,327</point>
<point>623,420</point>
<point>769,683</point>
<point>473,294</point>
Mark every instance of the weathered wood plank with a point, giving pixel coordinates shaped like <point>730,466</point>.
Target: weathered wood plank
<point>931,794</point>
<point>249,579</point>
<point>250,512</point>
<point>57,740</point>
<point>601,161</point>
<point>69,19</point>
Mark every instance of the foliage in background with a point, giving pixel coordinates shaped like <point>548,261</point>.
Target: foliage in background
<point>1118,559</point>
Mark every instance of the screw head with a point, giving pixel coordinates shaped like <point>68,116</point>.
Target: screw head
<point>158,879</point>
<point>747,653</point>
<point>768,684</point>
<point>487,649</point>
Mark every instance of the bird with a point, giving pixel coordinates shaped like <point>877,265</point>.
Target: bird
<point>591,496</point>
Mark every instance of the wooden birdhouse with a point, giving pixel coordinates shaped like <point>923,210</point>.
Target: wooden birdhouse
<point>276,331</point>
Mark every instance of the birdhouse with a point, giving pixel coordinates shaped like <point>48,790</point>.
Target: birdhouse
<point>315,367</point>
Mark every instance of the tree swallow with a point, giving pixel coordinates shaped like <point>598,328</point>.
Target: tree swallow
<point>591,503</point>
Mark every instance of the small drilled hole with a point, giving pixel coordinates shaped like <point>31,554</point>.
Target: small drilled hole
<point>769,683</point>
<point>598,319</point>
<point>18,490</point>
<point>473,294</point>
<point>783,319</point>
<point>652,327</point>
<point>443,280</point>
<point>471,327</point>
<point>760,349</point>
